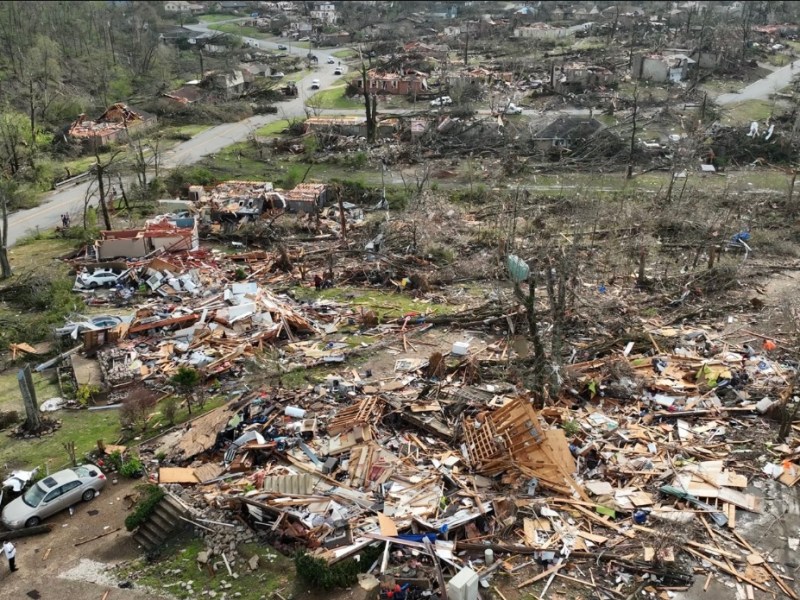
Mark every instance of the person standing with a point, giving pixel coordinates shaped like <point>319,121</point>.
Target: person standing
<point>11,554</point>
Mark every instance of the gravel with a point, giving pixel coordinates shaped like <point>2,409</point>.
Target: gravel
<point>92,571</point>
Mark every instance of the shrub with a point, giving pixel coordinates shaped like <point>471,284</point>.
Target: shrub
<point>135,412</point>
<point>132,467</point>
<point>115,460</point>
<point>152,495</point>
<point>319,574</point>
<point>86,392</point>
<point>571,428</point>
<point>170,409</point>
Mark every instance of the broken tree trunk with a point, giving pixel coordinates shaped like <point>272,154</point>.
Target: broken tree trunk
<point>21,533</point>
<point>33,422</point>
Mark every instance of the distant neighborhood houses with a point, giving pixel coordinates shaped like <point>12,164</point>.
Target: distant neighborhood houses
<point>180,6</point>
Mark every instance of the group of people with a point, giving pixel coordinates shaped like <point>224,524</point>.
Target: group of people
<point>65,219</point>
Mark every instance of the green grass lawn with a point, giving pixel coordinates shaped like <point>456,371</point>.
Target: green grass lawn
<point>297,75</point>
<point>345,53</point>
<point>742,113</point>
<point>333,98</point>
<point>189,129</point>
<point>80,426</point>
<point>779,60</point>
<point>386,304</point>
<point>241,30</point>
<point>215,18</point>
<point>273,128</point>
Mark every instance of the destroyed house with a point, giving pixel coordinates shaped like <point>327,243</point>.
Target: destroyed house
<point>542,31</point>
<point>566,132</point>
<point>478,75</point>
<point>230,84</point>
<point>409,82</point>
<point>241,199</point>
<point>661,68</point>
<point>113,125</point>
<point>305,197</point>
<point>348,125</point>
<point>159,234</point>
<point>576,77</point>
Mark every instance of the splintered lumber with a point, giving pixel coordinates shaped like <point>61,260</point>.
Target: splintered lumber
<point>730,571</point>
<point>551,571</point>
<point>511,437</point>
<point>600,520</point>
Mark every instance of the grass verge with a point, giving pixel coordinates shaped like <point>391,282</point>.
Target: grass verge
<point>333,98</point>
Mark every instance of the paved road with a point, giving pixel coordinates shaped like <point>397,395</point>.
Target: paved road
<point>71,198</point>
<point>763,88</point>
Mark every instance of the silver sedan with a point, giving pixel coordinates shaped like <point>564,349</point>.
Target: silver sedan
<point>53,494</point>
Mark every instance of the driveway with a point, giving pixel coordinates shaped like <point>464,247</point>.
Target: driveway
<point>44,559</point>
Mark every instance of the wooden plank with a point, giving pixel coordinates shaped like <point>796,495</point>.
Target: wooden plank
<point>601,521</point>
<point>530,531</point>
<point>745,501</point>
<point>542,575</point>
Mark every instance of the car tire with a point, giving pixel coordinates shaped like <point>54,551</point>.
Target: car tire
<point>32,522</point>
<point>93,285</point>
<point>88,495</point>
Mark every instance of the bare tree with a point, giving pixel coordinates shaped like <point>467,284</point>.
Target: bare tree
<point>100,171</point>
<point>629,172</point>
<point>6,189</point>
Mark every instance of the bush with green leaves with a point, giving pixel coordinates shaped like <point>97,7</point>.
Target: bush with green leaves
<point>169,408</point>
<point>319,574</point>
<point>151,496</point>
<point>132,467</point>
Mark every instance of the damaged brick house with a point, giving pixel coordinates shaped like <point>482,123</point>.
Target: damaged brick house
<point>113,125</point>
<point>662,68</point>
<point>403,83</point>
<point>577,77</point>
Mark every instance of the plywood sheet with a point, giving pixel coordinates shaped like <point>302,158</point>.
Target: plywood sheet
<point>177,475</point>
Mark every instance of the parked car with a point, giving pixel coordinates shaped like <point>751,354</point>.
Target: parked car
<point>442,101</point>
<point>99,278</point>
<point>282,47</point>
<point>331,61</point>
<point>53,494</point>
<point>304,39</point>
<point>337,71</point>
<point>315,84</point>
<point>277,75</point>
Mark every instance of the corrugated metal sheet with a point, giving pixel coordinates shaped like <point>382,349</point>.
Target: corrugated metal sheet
<point>296,485</point>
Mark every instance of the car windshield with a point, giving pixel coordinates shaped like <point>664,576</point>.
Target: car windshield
<point>34,496</point>
<point>84,471</point>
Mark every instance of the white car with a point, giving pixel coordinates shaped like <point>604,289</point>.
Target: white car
<point>337,71</point>
<point>315,84</point>
<point>52,494</point>
<point>277,75</point>
<point>512,109</point>
<point>442,101</point>
<point>100,278</point>
<point>331,61</point>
